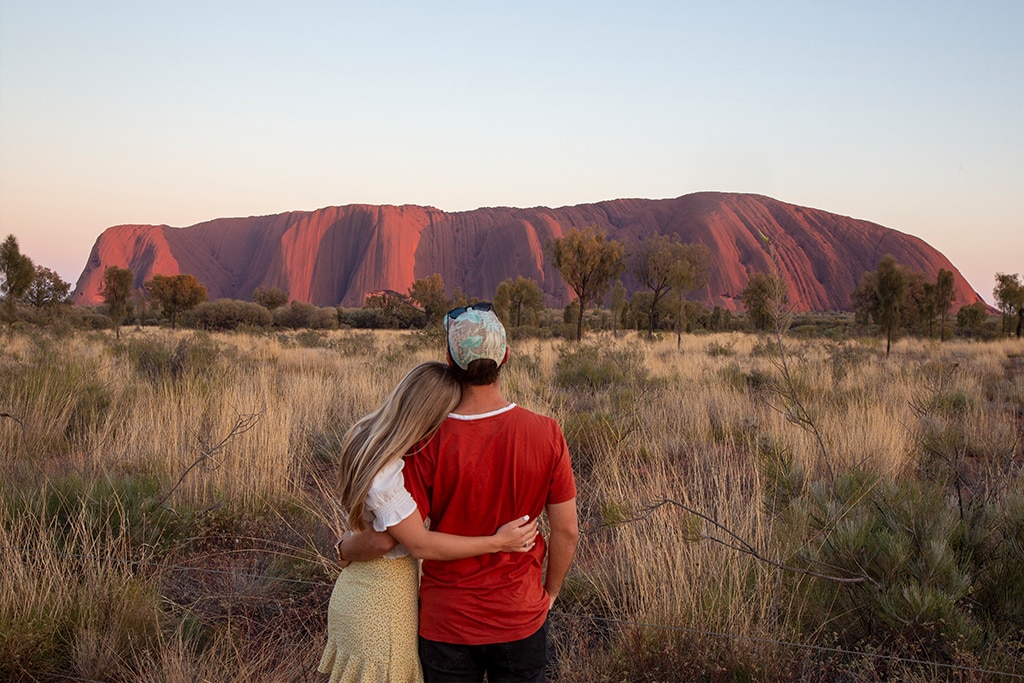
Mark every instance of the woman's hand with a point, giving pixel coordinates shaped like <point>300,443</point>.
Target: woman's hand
<point>518,536</point>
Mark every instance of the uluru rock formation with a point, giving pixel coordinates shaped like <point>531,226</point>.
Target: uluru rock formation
<point>337,255</point>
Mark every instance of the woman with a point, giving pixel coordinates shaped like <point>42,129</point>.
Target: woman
<point>372,618</point>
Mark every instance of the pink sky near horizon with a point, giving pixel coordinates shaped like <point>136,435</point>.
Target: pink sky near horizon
<point>115,113</point>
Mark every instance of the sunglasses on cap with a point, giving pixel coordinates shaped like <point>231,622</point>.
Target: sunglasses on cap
<point>456,312</point>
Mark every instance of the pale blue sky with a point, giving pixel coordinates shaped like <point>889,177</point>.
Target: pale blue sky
<point>908,114</point>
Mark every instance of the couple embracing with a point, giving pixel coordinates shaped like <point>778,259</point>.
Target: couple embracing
<point>447,446</point>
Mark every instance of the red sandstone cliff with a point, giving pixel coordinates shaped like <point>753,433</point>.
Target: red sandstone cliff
<point>339,254</point>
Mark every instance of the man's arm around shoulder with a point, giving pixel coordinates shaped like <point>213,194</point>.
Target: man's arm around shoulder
<point>565,533</point>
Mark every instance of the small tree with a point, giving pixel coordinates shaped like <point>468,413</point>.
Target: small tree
<point>881,296</point>
<point>116,289</point>
<point>396,309</point>
<point>689,272</point>
<point>720,319</point>
<point>917,310</point>
<point>518,301</point>
<point>47,290</point>
<point>175,294</point>
<point>763,298</point>
<point>1009,294</point>
<point>16,273</point>
<point>139,306</point>
<point>927,306</point>
<point>618,304</point>
<point>428,292</point>
<point>459,297</point>
<point>270,297</point>
<point>943,298</point>
<point>652,263</point>
<point>588,262</point>
<point>970,318</point>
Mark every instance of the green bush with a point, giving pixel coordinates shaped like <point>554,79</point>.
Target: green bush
<point>909,546</point>
<point>101,508</point>
<point>999,556</point>
<point>591,437</point>
<point>846,357</point>
<point>55,401</point>
<point>755,380</point>
<point>364,318</point>
<point>228,314</point>
<point>325,318</point>
<point>302,315</point>
<point>593,365</point>
<point>150,358</point>
<point>715,349</point>
<point>83,601</point>
<point>356,344</point>
<point>157,360</point>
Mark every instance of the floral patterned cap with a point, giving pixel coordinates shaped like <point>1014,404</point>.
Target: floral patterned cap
<point>473,334</point>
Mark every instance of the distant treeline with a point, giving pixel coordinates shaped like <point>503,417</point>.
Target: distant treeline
<point>891,300</point>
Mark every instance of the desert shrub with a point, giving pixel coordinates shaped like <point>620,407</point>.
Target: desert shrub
<point>81,602</point>
<point>382,318</point>
<point>845,357</point>
<point>594,365</point>
<point>312,339</point>
<point>88,318</point>
<point>999,556</point>
<point>364,318</point>
<point>228,314</point>
<point>84,512</point>
<point>159,360</point>
<point>955,403</point>
<point>295,316</point>
<point>715,349</point>
<point>972,321</point>
<point>151,358</point>
<point>53,400</point>
<point>591,437</point>
<point>325,318</point>
<point>905,543</point>
<point>767,346</point>
<point>527,332</point>
<point>785,479</point>
<point>356,344</point>
<point>736,378</point>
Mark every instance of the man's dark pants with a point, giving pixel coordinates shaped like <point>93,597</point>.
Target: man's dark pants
<point>521,661</point>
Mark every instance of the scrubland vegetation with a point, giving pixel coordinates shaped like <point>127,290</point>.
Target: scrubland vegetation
<point>816,512</point>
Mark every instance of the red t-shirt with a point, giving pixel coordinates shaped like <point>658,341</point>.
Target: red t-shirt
<point>475,474</point>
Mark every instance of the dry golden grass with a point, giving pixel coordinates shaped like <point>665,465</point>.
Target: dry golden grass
<point>235,429</point>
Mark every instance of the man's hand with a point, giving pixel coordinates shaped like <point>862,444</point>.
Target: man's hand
<point>342,561</point>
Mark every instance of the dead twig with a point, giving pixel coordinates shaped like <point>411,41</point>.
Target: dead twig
<point>24,430</point>
<point>243,423</point>
<point>736,542</point>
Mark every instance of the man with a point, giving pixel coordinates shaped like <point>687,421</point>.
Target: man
<point>490,461</point>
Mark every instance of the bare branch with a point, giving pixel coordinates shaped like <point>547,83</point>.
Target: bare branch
<point>243,424</point>
<point>24,430</point>
<point>739,544</point>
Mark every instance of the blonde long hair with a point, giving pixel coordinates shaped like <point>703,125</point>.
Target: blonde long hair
<point>411,413</point>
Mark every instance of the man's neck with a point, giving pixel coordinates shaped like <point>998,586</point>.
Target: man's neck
<point>477,400</point>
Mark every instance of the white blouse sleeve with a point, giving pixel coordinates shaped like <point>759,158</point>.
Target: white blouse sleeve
<point>388,499</point>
